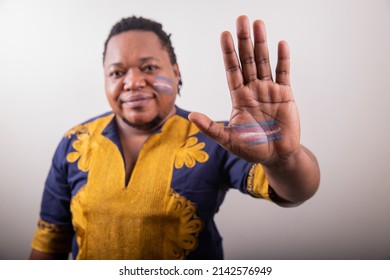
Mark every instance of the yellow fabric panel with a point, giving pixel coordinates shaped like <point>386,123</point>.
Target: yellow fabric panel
<point>257,183</point>
<point>145,219</point>
<point>50,238</point>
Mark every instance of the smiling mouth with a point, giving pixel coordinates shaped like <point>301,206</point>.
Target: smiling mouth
<point>136,101</point>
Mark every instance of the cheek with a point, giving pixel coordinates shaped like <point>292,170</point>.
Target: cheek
<point>164,85</point>
<point>112,99</point>
<point>112,90</point>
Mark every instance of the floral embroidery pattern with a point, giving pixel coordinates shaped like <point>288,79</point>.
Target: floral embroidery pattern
<point>53,228</point>
<point>76,130</point>
<point>182,235</point>
<point>191,153</point>
<point>84,147</point>
<point>251,175</point>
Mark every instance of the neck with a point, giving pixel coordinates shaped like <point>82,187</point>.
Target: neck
<point>133,129</point>
<point>129,129</point>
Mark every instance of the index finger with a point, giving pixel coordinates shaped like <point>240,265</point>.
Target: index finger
<point>283,64</point>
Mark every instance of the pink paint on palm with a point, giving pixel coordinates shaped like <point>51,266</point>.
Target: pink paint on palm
<point>259,133</point>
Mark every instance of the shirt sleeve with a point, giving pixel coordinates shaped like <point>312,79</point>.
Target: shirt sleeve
<point>54,231</point>
<point>51,238</point>
<point>247,177</point>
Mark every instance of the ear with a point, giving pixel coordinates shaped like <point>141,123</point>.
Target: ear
<point>176,71</point>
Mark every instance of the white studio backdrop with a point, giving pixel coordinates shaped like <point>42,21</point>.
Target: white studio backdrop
<point>51,78</point>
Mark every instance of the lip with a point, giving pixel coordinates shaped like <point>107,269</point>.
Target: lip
<point>136,100</point>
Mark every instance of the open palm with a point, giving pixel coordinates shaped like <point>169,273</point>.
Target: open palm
<point>264,123</point>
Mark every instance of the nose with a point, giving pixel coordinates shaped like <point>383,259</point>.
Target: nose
<point>134,80</point>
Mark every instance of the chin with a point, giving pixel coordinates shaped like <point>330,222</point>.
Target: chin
<point>145,125</point>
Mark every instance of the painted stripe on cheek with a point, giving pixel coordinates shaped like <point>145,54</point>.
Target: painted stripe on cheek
<point>163,85</point>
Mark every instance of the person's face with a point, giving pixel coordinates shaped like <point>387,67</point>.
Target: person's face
<point>140,81</point>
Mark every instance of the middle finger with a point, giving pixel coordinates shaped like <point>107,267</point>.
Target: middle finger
<point>245,50</point>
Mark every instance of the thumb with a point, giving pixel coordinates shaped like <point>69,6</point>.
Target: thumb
<point>210,128</point>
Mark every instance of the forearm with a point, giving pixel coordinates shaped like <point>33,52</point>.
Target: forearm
<point>294,178</point>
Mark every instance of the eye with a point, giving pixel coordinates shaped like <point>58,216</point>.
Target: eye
<point>150,68</point>
<point>116,74</point>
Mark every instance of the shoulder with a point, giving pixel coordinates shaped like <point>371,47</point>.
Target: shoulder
<point>182,113</point>
<point>80,133</point>
<point>89,127</point>
<point>97,123</point>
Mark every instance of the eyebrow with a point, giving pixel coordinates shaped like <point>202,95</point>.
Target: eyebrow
<point>147,58</point>
<point>142,59</point>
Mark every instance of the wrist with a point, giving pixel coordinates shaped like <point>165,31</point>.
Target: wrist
<point>284,161</point>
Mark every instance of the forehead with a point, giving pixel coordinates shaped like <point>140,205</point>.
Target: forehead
<point>135,43</point>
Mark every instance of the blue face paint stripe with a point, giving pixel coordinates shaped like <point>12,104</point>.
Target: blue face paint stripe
<point>164,78</point>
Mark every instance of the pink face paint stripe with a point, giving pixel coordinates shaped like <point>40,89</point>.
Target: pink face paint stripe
<point>162,85</point>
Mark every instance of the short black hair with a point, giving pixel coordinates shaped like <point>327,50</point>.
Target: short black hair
<point>143,24</point>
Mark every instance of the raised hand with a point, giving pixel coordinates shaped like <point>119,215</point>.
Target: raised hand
<point>264,123</point>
